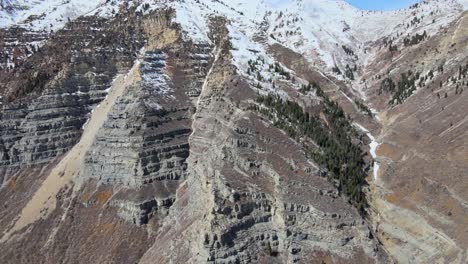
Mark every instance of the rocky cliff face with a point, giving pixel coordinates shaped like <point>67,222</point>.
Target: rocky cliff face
<point>253,196</point>
<point>195,132</point>
<point>47,102</point>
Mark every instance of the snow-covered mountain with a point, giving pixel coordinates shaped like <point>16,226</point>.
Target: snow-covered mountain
<point>232,131</point>
<point>43,14</point>
<point>311,27</point>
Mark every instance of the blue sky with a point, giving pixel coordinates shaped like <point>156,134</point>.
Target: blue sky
<point>382,4</point>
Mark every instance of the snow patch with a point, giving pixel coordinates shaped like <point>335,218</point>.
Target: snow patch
<point>46,15</point>
<point>464,3</point>
<point>373,149</point>
<point>193,18</point>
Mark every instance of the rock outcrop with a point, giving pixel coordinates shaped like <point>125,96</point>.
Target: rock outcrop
<point>136,133</point>
<point>62,91</point>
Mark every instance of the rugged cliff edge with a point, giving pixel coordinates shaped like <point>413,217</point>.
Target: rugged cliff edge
<point>243,132</point>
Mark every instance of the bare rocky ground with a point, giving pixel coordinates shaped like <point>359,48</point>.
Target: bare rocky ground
<point>420,197</point>
<point>205,180</point>
<point>171,165</point>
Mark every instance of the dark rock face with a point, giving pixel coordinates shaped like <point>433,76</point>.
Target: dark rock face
<point>178,146</point>
<point>144,143</point>
<point>48,122</point>
<point>181,169</point>
<point>47,100</point>
<point>145,138</point>
<point>242,202</point>
<point>17,44</point>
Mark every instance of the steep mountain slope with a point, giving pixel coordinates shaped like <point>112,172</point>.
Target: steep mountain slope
<point>425,137</point>
<point>232,132</point>
<point>43,15</point>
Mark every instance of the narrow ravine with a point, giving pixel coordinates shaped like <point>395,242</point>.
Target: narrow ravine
<point>417,239</point>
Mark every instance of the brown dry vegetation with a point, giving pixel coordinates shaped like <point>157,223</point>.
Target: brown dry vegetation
<point>424,161</point>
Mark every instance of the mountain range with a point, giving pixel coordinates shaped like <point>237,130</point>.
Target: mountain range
<point>233,131</point>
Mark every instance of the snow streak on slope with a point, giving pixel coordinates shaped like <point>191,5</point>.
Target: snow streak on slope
<point>315,28</point>
<point>373,149</point>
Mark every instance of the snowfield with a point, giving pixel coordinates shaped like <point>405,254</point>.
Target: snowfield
<point>311,27</point>
<point>373,145</point>
<point>318,29</point>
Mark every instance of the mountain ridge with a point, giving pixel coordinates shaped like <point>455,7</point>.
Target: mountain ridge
<point>201,131</point>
